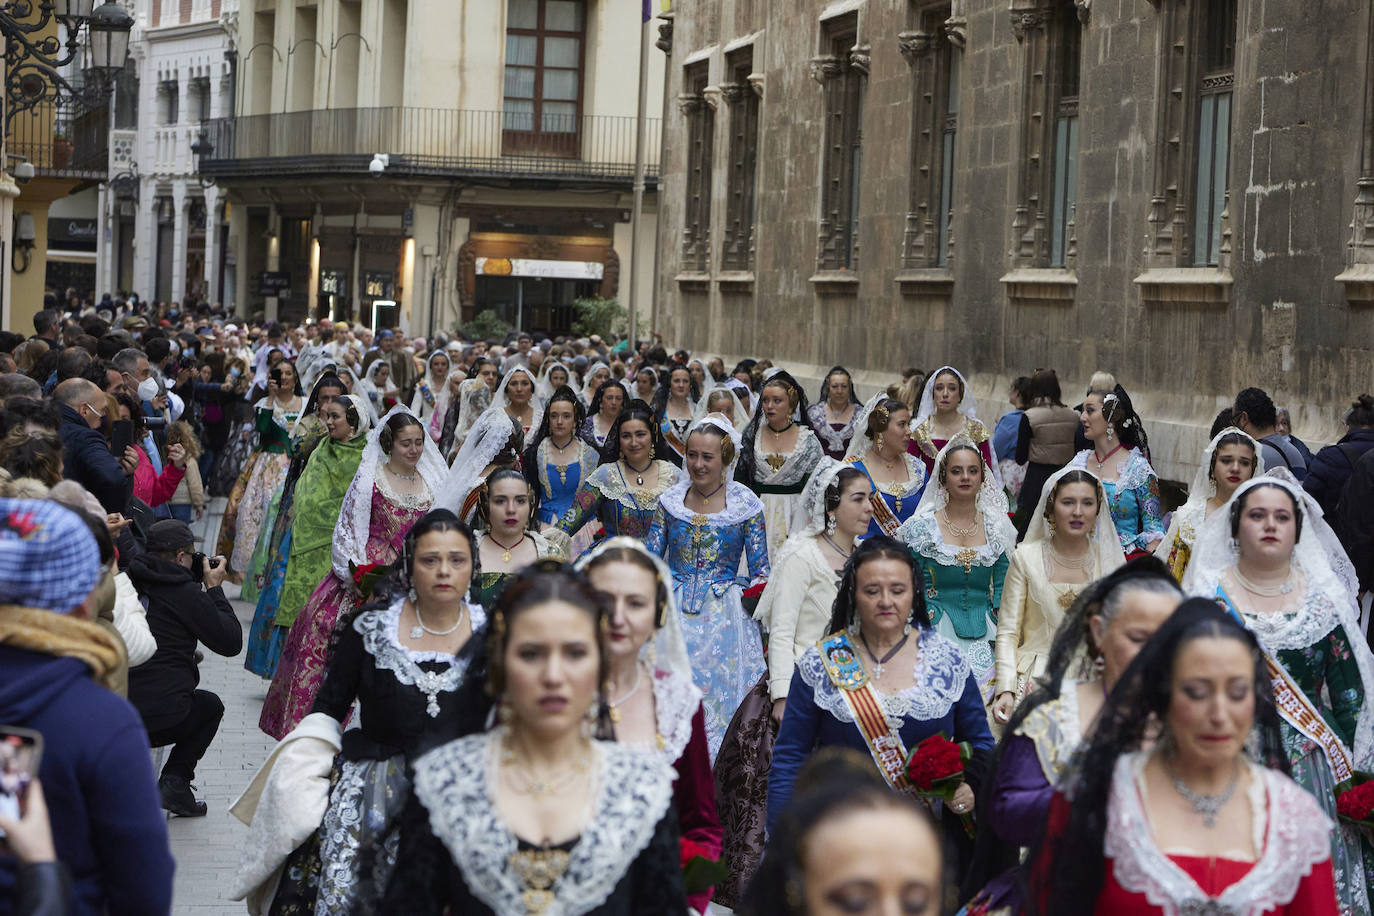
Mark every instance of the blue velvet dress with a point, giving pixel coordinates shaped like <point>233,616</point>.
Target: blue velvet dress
<point>901,499</point>
<point>558,484</point>
<point>945,698</point>
<point>704,554</point>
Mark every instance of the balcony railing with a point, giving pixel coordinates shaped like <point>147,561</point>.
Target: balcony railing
<point>428,141</point>
<point>63,141</point>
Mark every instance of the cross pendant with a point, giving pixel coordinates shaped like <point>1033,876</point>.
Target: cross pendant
<point>878,671</point>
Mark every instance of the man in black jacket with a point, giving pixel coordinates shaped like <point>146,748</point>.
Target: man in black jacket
<point>86,457</point>
<point>163,689</point>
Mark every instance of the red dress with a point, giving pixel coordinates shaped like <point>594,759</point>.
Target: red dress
<point>923,446</point>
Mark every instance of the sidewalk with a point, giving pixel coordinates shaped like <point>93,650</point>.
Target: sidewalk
<point>207,848</point>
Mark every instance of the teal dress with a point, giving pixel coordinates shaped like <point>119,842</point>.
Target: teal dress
<point>963,586</point>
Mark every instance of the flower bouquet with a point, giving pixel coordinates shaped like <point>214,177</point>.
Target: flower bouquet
<point>700,872</point>
<point>366,577</point>
<point>936,769</point>
<point>751,595</point>
<point>1355,803</point>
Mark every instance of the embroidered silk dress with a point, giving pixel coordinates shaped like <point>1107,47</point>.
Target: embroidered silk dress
<point>1031,610</point>
<point>1291,877</point>
<point>835,437</point>
<point>1134,501</point>
<point>779,480</point>
<point>944,698</point>
<point>490,585</point>
<point>559,482</point>
<point>901,498</point>
<point>923,446</point>
<point>261,487</point>
<point>306,653</point>
<point>626,860</point>
<point>704,554</point>
<point>622,507</point>
<point>963,586</point>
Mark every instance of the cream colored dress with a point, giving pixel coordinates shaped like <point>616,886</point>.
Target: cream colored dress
<point>795,607</point>
<point>1032,609</point>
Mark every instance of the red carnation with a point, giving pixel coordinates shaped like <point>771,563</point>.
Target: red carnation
<point>935,759</point>
<point>1357,803</point>
<point>361,572</point>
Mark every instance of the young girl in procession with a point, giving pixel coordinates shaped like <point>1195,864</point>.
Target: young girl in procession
<point>898,479</point>
<point>556,460</point>
<point>947,409</point>
<point>1120,458</point>
<point>778,454</point>
<point>509,539</point>
<point>1230,459</point>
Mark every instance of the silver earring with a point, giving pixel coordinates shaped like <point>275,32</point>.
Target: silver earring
<point>830,524</point>
<point>1109,432</point>
<point>906,630</point>
<point>854,627</point>
<point>412,596</point>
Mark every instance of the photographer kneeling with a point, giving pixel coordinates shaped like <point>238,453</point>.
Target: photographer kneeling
<point>163,689</point>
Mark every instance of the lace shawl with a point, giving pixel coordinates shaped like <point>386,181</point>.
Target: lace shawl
<point>676,701</point>
<point>607,479</point>
<point>1132,475</point>
<point>799,463</point>
<point>922,534</point>
<point>1295,839</point>
<point>740,504</point>
<point>1055,730</point>
<point>835,439</point>
<point>632,793</point>
<point>380,629</point>
<point>940,675</point>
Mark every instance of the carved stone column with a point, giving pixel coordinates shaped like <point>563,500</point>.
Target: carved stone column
<point>919,236</point>
<point>1030,22</point>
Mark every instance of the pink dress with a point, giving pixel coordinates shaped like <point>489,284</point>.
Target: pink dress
<point>301,669</point>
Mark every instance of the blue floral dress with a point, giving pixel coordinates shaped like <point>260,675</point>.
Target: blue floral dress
<point>1134,501</point>
<point>558,483</point>
<point>703,552</point>
<point>611,497</point>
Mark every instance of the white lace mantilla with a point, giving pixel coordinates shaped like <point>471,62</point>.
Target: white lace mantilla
<point>1132,475</point>
<point>1296,839</point>
<point>922,534</point>
<point>800,461</point>
<point>454,783</point>
<point>1316,617</point>
<point>836,439</point>
<point>940,675</point>
<point>740,504</point>
<point>380,632</point>
<point>676,701</point>
<point>608,479</point>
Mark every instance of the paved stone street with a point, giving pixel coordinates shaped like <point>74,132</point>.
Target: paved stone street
<point>207,849</point>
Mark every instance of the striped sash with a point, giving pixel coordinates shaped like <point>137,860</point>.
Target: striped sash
<point>848,674</point>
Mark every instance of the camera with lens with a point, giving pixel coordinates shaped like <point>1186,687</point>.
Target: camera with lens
<point>200,562</point>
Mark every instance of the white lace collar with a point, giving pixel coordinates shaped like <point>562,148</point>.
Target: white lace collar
<point>940,675</point>
<point>835,438</point>
<point>608,479</point>
<point>676,701</point>
<point>380,631</point>
<point>799,462</point>
<point>633,791</point>
<point>1315,617</point>
<point>1132,475</point>
<point>740,504</point>
<point>922,534</point>
<point>1295,839</point>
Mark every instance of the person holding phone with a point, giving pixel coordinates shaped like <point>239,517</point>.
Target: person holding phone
<point>87,457</point>
<point>164,689</point>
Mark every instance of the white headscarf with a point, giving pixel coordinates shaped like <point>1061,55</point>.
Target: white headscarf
<point>721,422</point>
<point>1329,595</point>
<point>710,380</point>
<point>991,499</point>
<point>355,518</point>
<point>484,442</point>
<point>1102,540</point>
<point>741,414</point>
<point>586,394</point>
<point>860,425</point>
<point>501,400</point>
<point>1188,517</point>
<point>365,415</point>
<point>968,405</point>
<point>438,389</point>
<point>546,388</point>
<point>356,387</point>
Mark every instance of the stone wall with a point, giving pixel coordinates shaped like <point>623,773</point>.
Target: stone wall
<point>1301,71</point>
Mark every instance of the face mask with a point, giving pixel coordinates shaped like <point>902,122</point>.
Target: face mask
<point>147,389</point>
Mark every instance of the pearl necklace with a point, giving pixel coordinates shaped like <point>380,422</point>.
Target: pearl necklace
<point>615,705</point>
<point>398,475</point>
<point>1264,591</point>
<point>418,631</point>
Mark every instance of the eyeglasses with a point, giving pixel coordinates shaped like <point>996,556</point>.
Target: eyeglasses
<point>97,412</point>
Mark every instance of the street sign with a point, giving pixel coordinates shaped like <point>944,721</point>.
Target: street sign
<point>275,283</point>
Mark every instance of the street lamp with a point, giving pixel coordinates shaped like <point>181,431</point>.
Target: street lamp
<point>110,27</point>
<point>201,147</point>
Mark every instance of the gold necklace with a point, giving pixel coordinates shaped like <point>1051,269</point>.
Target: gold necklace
<point>536,787</point>
<point>505,556</point>
<point>955,529</point>
<point>615,705</point>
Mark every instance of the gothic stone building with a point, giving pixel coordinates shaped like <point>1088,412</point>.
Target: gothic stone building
<point>1179,191</point>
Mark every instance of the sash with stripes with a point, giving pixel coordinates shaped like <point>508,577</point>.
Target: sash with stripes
<point>848,674</point>
<point>1297,710</point>
<point>882,512</point>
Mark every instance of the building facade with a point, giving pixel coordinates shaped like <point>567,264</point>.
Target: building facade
<point>439,158</point>
<point>1178,192</point>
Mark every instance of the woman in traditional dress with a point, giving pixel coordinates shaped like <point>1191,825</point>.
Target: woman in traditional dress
<point>1187,823</point>
<point>654,705</point>
<point>780,451</point>
<point>515,395</point>
<point>398,475</point>
<point>702,375</point>
<point>273,548</point>
<point>947,409</point>
<point>622,494</point>
<point>250,506</point>
<point>598,374</point>
<point>1101,635</point>
<point>315,505</point>
<point>536,815</point>
<point>403,663</point>
<point>494,442</point>
<point>509,538</point>
<point>1071,543</point>
<point>1230,459</point>
<point>553,376</point>
<point>645,385</point>
<point>1280,582</point>
<point>705,523</point>
<point>376,385</point>
<point>1119,457</point>
<point>725,402</point>
<point>474,397</point>
<point>883,650</point>
<point>556,461</point>
<point>834,413</point>
<point>898,478</point>
<point>963,539</point>
<point>795,609</point>
<point>431,391</point>
<point>674,406</point>
<point>606,405</point>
